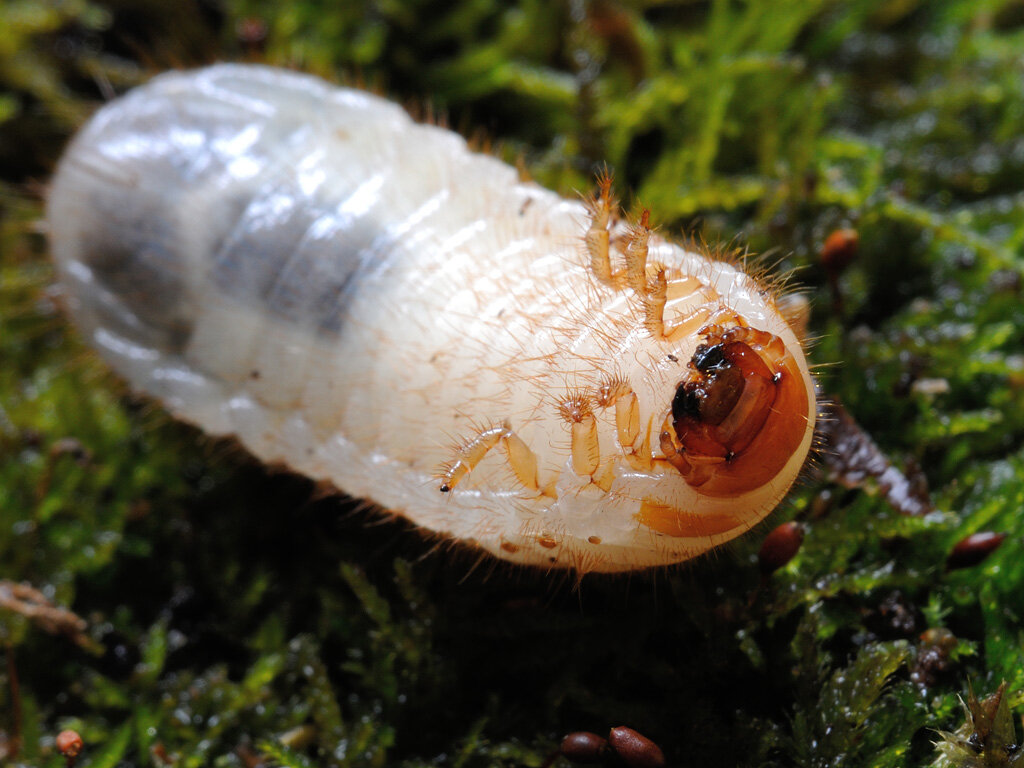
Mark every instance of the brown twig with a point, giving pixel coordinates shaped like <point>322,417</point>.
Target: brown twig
<point>29,602</point>
<point>851,458</point>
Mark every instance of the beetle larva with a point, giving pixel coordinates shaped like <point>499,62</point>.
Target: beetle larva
<point>365,300</point>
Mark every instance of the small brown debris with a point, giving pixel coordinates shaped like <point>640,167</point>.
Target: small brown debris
<point>635,749</point>
<point>896,616</point>
<point>159,753</point>
<point>933,657</point>
<point>69,446</point>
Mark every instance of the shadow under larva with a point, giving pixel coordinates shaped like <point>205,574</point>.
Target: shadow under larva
<point>362,298</point>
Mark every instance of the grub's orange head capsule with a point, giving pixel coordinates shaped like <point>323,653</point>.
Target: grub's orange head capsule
<point>740,414</point>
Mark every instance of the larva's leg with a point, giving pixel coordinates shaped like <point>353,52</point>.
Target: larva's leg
<point>636,254</point>
<point>672,454</point>
<point>642,458</point>
<point>521,459</point>
<point>654,311</point>
<point>617,392</point>
<point>598,235</point>
<point>598,240</point>
<point>724,318</point>
<point>584,445</point>
<point>654,305</point>
<point>689,325</point>
<point>605,477</point>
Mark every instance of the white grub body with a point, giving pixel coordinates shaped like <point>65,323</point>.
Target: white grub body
<point>354,294</point>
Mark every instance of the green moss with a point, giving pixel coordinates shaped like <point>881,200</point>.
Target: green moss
<point>235,615</point>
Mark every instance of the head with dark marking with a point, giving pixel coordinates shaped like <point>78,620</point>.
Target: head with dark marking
<point>738,415</point>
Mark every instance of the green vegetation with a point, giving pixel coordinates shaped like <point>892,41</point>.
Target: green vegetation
<point>236,617</point>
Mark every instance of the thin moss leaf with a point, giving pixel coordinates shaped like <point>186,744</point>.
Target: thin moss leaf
<point>154,654</point>
<point>284,757</point>
<point>260,675</point>
<point>376,607</point>
<point>111,753</point>
<point>850,718</point>
<point>319,692</point>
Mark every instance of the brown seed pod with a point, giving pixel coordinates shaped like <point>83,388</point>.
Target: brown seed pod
<point>780,546</point>
<point>839,250</point>
<point>69,743</point>
<point>973,549</point>
<point>584,747</point>
<point>635,750</point>
<point>251,33</point>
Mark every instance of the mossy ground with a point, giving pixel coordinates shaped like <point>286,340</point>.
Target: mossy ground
<point>236,616</point>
